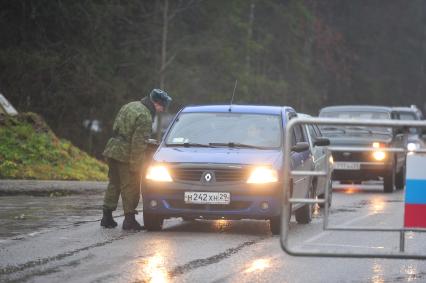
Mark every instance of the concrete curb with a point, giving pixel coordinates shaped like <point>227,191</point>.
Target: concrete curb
<point>42,188</point>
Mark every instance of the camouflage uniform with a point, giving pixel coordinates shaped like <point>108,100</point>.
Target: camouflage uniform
<point>125,154</point>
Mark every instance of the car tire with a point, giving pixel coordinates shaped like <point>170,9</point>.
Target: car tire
<point>400,179</point>
<point>152,222</point>
<point>304,214</point>
<point>330,195</point>
<point>275,225</point>
<point>389,182</point>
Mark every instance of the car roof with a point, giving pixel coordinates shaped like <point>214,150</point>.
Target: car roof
<point>356,108</point>
<point>402,108</point>
<point>405,109</point>
<point>234,108</point>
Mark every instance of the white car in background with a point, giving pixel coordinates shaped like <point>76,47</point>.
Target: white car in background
<point>318,143</point>
<point>415,136</point>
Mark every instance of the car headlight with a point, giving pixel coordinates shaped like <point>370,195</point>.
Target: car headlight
<point>262,175</point>
<point>411,146</point>
<point>378,155</point>
<point>158,173</point>
<point>377,145</point>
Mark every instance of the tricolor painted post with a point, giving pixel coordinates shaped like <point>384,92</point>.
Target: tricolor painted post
<point>415,192</point>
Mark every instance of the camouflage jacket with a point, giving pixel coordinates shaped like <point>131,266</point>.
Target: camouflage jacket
<point>132,128</point>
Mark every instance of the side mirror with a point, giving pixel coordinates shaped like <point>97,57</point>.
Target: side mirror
<point>321,142</point>
<point>300,147</point>
<point>152,145</point>
<point>152,142</point>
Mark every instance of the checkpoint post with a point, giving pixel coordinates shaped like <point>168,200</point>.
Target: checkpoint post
<point>415,192</point>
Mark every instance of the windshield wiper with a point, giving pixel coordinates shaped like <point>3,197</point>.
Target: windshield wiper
<point>384,132</point>
<point>189,144</point>
<point>360,129</point>
<point>333,129</point>
<point>235,144</point>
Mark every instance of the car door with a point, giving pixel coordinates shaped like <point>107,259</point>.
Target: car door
<point>318,157</point>
<point>301,161</point>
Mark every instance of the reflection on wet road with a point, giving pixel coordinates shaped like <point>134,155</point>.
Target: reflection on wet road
<point>258,265</point>
<point>154,268</point>
<point>377,270</point>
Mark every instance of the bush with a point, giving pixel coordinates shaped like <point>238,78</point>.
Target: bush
<point>30,150</point>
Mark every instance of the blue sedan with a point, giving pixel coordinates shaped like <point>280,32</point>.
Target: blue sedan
<point>225,162</point>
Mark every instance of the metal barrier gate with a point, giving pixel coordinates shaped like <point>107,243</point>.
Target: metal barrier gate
<point>287,200</point>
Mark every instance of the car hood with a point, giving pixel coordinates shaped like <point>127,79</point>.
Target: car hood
<point>358,140</point>
<point>219,155</point>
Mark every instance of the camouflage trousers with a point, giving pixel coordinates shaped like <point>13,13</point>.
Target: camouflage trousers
<point>122,182</point>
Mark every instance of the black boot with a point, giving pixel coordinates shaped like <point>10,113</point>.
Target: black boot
<point>107,219</point>
<point>130,222</point>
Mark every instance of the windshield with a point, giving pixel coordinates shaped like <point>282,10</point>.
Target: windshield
<point>226,129</point>
<point>409,116</point>
<point>357,115</point>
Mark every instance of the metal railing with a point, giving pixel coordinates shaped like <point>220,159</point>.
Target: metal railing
<point>287,179</point>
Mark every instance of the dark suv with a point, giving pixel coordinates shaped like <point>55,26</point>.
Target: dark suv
<point>362,166</point>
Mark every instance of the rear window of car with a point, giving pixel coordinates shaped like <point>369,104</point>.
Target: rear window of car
<point>258,130</point>
<point>407,116</point>
<point>314,131</point>
<point>298,135</point>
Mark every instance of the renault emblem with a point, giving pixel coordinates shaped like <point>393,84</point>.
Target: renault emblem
<point>207,177</point>
<point>346,154</point>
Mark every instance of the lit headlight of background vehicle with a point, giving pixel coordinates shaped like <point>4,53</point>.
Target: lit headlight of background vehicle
<point>378,154</point>
<point>411,146</point>
<point>158,173</point>
<point>262,175</point>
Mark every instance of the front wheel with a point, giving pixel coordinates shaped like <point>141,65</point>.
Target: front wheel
<point>330,195</point>
<point>400,179</point>
<point>275,225</point>
<point>152,222</point>
<point>389,182</point>
<point>304,214</point>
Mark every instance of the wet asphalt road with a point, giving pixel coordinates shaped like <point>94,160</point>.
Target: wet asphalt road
<point>25,214</point>
<point>67,245</point>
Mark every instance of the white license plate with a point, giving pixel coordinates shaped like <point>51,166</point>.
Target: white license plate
<point>207,197</point>
<point>346,166</point>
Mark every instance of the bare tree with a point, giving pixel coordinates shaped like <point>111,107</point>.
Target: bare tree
<point>165,61</point>
<point>249,36</point>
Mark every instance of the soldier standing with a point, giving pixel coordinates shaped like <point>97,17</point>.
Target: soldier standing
<point>125,153</point>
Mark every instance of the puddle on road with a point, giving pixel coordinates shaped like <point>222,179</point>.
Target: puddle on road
<point>24,215</point>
